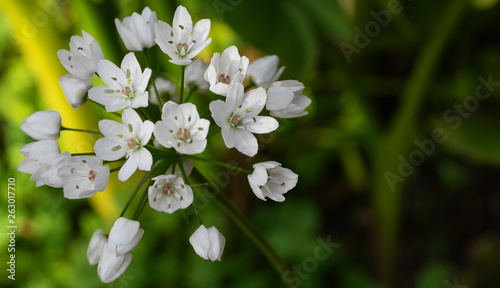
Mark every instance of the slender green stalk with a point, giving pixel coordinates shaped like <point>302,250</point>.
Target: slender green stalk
<point>83,154</point>
<point>213,130</point>
<point>142,202</point>
<point>191,92</point>
<point>242,221</point>
<point>398,139</point>
<point>182,83</point>
<point>80,130</point>
<point>152,80</point>
<point>137,189</point>
<point>232,167</point>
<point>146,114</point>
<point>186,180</point>
<point>115,169</point>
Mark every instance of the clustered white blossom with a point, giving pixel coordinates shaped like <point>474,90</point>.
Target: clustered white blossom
<point>165,147</point>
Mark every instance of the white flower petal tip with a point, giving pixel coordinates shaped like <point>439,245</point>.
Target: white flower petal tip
<point>181,41</point>
<point>270,180</point>
<point>225,69</point>
<point>112,265</point>
<point>74,89</point>
<point>169,193</point>
<point>238,118</point>
<point>264,71</point>
<point>125,86</point>
<point>43,125</point>
<point>40,156</point>
<point>285,99</point>
<point>126,139</point>
<point>138,31</point>
<point>208,243</point>
<point>124,235</point>
<point>96,244</point>
<point>182,128</point>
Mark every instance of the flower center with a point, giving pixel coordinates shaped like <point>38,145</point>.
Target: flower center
<point>168,190</point>
<point>223,78</point>
<point>182,45</point>
<point>237,120</point>
<point>126,91</point>
<point>131,143</point>
<point>92,175</point>
<point>183,134</point>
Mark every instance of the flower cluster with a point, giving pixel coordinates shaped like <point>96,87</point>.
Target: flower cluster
<point>250,98</point>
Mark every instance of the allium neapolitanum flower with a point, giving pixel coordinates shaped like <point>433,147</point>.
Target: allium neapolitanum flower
<point>43,125</point>
<point>285,99</point>
<point>181,41</point>
<point>74,89</point>
<point>126,139</point>
<point>182,128</point>
<point>83,176</point>
<point>126,87</point>
<point>238,118</point>
<point>271,180</point>
<point>82,57</point>
<point>208,243</point>
<point>115,254</point>
<point>38,155</point>
<point>169,193</point>
<point>264,71</point>
<point>138,31</point>
<point>225,69</point>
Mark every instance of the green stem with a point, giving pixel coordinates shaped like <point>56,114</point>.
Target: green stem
<point>115,169</point>
<point>398,139</point>
<point>232,167</point>
<point>191,92</point>
<point>83,154</point>
<point>182,84</point>
<point>80,130</point>
<point>152,80</point>
<point>242,221</point>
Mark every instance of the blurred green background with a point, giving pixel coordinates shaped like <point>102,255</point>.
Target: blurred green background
<point>384,76</point>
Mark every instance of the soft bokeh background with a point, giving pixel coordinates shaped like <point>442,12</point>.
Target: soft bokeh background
<point>438,227</point>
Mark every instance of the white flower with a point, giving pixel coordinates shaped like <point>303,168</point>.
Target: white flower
<point>181,41</point>
<point>43,125</point>
<point>38,155</point>
<point>96,244</point>
<point>238,118</point>
<point>138,31</point>
<point>126,139</point>
<point>83,176</point>
<point>81,60</point>
<point>270,180</point>
<point>264,71</point>
<point>226,69</point>
<point>165,88</point>
<point>126,87</point>
<point>112,265</point>
<point>74,89</point>
<point>124,235</point>
<point>194,77</point>
<point>208,243</point>
<point>285,99</point>
<point>182,128</point>
<point>169,193</point>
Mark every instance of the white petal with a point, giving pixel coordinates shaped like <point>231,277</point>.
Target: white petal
<point>129,167</point>
<point>245,142</point>
<point>262,124</point>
